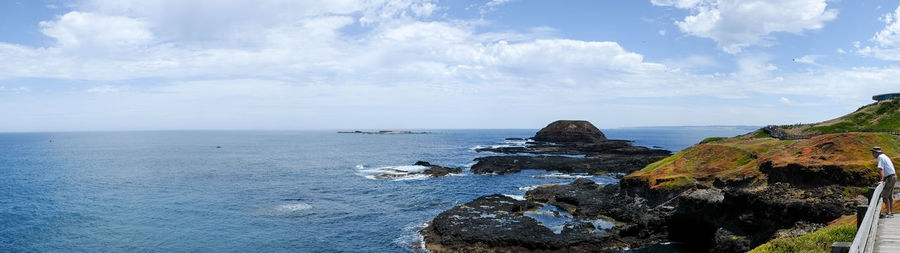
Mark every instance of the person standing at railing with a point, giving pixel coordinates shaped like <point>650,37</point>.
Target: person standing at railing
<point>888,177</point>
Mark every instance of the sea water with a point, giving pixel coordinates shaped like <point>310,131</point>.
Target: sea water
<point>254,191</point>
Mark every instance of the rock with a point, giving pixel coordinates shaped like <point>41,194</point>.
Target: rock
<point>416,171</point>
<point>725,241</point>
<point>497,223</point>
<point>737,219</point>
<point>423,163</point>
<point>489,222</point>
<point>569,137</point>
<point>598,164</point>
<point>437,171</point>
<point>614,147</point>
<point>603,164</point>
<point>564,131</point>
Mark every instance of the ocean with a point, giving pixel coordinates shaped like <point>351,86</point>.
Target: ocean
<point>254,191</point>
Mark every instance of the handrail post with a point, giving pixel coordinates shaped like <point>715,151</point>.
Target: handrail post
<point>870,193</point>
<point>861,214</point>
<point>840,247</point>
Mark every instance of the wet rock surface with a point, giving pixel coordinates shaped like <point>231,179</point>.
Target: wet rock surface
<point>702,219</point>
<point>418,170</point>
<point>592,165</point>
<point>498,223</point>
<point>738,219</point>
<point>436,170</point>
<point>583,216</point>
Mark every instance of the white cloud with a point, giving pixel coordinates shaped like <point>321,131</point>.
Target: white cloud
<point>785,100</point>
<point>890,35</point>
<point>492,6</point>
<point>78,29</point>
<point>287,66</point>
<point>735,24</point>
<point>106,89</point>
<point>887,41</point>
<point>808,59</point>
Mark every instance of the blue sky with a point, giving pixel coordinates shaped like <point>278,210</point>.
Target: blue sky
<point>412,64</point>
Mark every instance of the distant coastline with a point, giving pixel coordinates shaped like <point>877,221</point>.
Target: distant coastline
<point>383,132</point>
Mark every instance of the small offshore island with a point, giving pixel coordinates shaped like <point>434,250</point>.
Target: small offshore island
<point>756,192</point>
<point>383,132</point>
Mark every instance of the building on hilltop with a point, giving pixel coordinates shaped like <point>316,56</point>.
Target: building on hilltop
<point>885,96</point>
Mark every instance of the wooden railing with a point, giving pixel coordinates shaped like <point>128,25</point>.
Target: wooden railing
<point>864,242</point>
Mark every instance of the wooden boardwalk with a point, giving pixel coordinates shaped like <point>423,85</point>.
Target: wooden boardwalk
<point>888,237</point>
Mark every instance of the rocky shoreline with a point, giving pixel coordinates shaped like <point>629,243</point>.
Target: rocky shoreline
<point>497,223</point>
<point>729,195</point>
<point>587,217</point>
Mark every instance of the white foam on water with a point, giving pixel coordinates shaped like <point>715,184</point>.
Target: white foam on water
<point>396,173</point>
<point>290,209</point>
<point>564,176</point>
<point>528,188</point>
<point>551,217</point>
<point>476,147</point>
<point>516,143</point>
<point>411,238</point>
<point>516,197</point>
<point>295,207</point>
<point>557,219</point>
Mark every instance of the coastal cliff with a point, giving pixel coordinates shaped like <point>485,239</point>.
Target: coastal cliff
<point>732,194</point>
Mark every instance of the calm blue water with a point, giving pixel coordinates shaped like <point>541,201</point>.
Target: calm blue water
<point>298,191</point>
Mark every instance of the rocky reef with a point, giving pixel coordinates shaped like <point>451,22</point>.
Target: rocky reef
<point>592,165</point>
<point>581,216</point>
<point>418,170</point>
<point>569,146</point>
<point>437,171</point>
<point>578,217</point>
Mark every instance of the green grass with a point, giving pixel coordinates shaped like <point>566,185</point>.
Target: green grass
<point>884,116</point>
<point>818,241</point>
<point>890,123</point>
<point>762,134</point>
<point>666,160</point>
<point>712,139</point>
<point>853,191</point>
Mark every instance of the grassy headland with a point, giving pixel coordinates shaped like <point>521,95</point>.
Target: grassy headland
<point>824,170</point>
<point>750,158</point>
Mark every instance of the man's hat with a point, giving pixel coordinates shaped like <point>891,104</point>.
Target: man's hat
<point>877,149</point>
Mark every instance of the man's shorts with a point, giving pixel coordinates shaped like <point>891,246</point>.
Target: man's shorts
<point>887,193</point>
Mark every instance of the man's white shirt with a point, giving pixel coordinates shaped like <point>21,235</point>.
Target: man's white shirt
<point>884,163</point>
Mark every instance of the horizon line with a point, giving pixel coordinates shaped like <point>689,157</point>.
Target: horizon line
<point>336,129</point>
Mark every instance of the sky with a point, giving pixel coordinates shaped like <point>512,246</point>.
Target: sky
<point>97,65</point>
